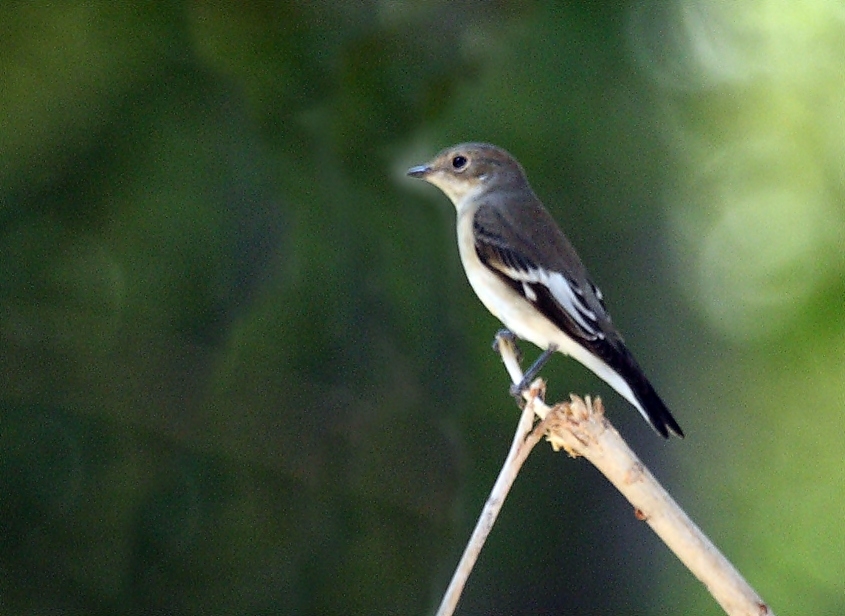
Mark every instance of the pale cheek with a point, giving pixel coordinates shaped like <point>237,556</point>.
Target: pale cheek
<point>456,191</point>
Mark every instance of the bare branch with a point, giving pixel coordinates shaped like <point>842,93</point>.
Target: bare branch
<point>523,442</point>
<point>580,428</point>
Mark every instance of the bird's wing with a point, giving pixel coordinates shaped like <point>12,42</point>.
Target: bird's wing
<point>567,298</point>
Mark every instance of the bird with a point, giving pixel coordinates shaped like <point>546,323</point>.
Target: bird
<point>528,275</point>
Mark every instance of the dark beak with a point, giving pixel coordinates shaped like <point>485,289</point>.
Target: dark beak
<point>419,171</point>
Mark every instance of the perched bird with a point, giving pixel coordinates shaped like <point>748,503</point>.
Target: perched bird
<point>527,274</point>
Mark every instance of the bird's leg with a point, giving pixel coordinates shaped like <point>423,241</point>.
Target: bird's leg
<point>532,372</point>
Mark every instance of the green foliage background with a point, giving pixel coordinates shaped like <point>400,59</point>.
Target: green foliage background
<point>241,370</point>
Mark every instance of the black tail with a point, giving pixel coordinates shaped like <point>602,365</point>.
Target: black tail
<point>658,414</point>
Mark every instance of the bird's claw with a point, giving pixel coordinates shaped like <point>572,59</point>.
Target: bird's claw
<point>516,389</point>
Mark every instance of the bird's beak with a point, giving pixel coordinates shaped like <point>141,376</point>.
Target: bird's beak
<point>420,171</point>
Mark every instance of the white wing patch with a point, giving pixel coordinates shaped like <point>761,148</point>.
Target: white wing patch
<point>529,292</point>
<point>598,292</point>
<point>572,301</point>
<point>570,298</point>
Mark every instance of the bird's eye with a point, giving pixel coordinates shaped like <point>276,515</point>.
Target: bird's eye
<point>459,162</point>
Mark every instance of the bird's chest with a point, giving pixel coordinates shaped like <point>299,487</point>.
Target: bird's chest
<point>505,304</point>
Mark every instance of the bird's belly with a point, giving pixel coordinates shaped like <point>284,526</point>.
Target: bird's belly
<point>517,313</point>
<point>512,309</point>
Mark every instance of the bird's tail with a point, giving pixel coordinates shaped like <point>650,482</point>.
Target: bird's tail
<point>648,402</point>
<point>656,412</point>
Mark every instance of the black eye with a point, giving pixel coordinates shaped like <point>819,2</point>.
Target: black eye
<point>459,162</point>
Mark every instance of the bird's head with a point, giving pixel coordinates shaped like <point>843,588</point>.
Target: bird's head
<point>469,168</point>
